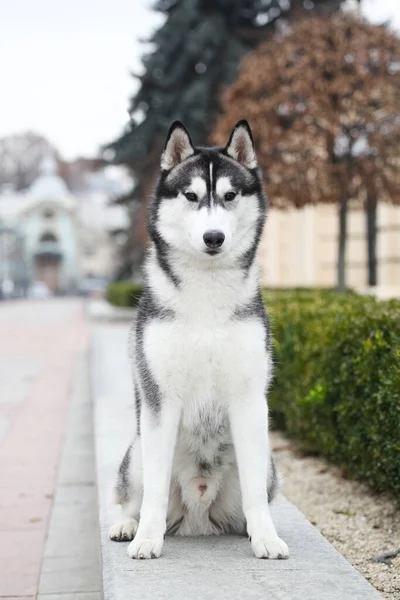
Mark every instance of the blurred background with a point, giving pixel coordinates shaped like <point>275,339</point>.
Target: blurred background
<point>89,91</point>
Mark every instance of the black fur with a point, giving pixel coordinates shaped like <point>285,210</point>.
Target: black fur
<point>272,482</point>
<point>161,246</point>
<point>243,179</point>
<point>149,310</point>
<point>174,527</point>
<point>138,404</point>
<point>123,487</point>
<point>205,468</point>
<point>247,181</point>
<point>255,309</point>
<point>249,256</point>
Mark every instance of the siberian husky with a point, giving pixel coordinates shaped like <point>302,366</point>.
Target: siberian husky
<point>200,463</point>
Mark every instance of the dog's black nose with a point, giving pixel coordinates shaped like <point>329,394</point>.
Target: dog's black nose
<point>213,239</point>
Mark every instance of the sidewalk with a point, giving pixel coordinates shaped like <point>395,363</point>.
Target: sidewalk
<point>40,344</point>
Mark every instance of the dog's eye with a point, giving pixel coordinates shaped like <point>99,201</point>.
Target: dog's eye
<point>230,196</point>
<point>191,196</point>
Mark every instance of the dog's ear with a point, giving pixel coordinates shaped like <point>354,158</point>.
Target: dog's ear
<point>178,147</point>
<point>241,145</point>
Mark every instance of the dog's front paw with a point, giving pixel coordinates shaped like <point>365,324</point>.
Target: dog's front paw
<point>145,547</point>
<point>264,547</point>
<point>123,531</point>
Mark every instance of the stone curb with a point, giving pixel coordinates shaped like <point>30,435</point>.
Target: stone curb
<point>98,309</point>
<point>213,568</point>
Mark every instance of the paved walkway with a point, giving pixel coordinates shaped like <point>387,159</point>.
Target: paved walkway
<point>41,347</point>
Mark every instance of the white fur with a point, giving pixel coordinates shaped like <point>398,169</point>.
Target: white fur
<point>178,148</point>
<point>123,530</point>
<point>241,148</point>
<point>222,186</point>
<point>183,225</point>
<point>205,362</point>
<point>209,368</point>
<point>198,186</point>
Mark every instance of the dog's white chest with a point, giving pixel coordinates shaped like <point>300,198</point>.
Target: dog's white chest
<point>202,363</point>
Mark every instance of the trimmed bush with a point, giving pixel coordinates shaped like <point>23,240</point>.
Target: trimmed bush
<point>337,379</point>
<point>124,293</point>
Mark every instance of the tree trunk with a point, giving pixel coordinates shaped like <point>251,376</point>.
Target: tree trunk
<point>341,264</point>
<point>371,211</point>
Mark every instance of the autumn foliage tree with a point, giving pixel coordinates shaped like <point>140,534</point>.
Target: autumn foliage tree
<point>20,158</point>
<point>322,101</point>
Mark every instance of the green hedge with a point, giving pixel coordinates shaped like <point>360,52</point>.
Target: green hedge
<point>124,293</point>
<point>337,379</point>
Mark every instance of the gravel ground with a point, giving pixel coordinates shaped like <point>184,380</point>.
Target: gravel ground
<point>359,524</point>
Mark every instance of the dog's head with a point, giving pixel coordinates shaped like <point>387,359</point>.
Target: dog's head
<point>209,201</point>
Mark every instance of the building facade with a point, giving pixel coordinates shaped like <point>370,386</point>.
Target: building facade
<point>52,236</point>
<point>40,226</point>
<point>299,247</point>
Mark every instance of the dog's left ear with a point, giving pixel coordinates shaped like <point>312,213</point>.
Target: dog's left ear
<point>178,146</point>
<point>241,145</point>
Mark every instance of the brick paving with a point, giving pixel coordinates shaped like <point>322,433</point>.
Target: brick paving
<point>40,343</point>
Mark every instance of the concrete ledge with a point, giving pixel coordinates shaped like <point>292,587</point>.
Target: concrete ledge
<point>213,568</point>
<point>98,309</point>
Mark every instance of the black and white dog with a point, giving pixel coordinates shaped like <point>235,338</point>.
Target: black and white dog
<point>200,462</point>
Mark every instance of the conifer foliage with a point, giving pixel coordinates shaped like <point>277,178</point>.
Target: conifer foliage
<point>196,50</point>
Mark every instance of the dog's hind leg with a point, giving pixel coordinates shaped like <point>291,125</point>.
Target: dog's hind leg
<point>129,494</point>
<point>226,513</point>
<point>124,530</point>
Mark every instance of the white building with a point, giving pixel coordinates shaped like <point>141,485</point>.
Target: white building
<point>39,225</point>
<point>49,235</point>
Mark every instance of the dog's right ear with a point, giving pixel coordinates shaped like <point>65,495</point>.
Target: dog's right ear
<point>178,147</point>
<point>241,145</point>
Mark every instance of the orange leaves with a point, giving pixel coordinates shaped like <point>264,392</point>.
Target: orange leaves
<point>317,99</point>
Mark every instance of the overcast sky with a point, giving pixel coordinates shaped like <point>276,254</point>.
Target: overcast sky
<point>64,65</point>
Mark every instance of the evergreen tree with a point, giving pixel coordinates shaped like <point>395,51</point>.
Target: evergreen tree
<point>196,53</point>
